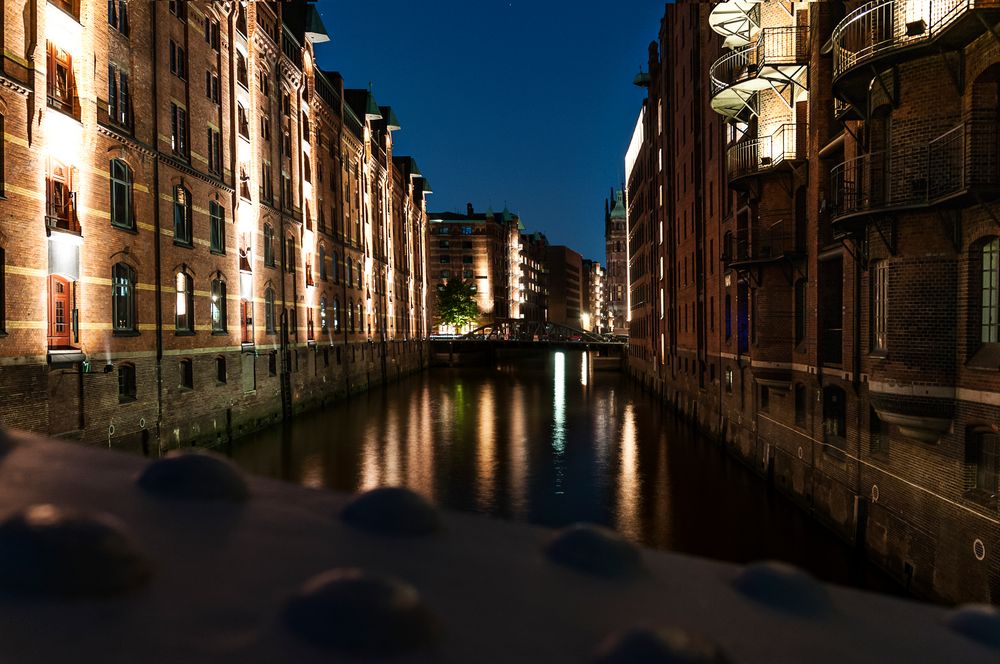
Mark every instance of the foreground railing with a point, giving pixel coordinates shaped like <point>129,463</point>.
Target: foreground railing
<point>775,47</point>
<point>758,244</point>
<point>761,154</point>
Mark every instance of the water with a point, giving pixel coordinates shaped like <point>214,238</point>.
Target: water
<point>548,440</point>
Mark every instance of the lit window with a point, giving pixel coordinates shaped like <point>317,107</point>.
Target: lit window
<point>991,292</point>
<point>182,216</point>
<point>323,324</point>
<point>219,323</point>
<point>184,307</point>
<point>61,83</point>
<point>123,305</point>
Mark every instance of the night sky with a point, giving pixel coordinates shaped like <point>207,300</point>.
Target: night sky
<point>523,102</point>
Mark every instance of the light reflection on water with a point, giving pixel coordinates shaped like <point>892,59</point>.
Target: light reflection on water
<point>529,440</point>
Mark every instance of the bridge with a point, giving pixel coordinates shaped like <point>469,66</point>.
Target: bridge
<point>511,335</point>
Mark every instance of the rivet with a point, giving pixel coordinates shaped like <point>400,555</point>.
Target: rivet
<point>594,550</point>
<point>659,646</point>
<point>194,475</point>
<point>783,587</point>
<point>392,511</point>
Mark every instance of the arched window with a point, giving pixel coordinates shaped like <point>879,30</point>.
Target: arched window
<point>361,318</point>
<point>360,273</point>
<point>350,272</point>
<point>323,324</point>
<point>121,195</point>
<point>290,254</point>
<point>123,309</point>
<point>221,375</point>
<point>186,370</point>
<point>217,219</point>
<point>184,309</point>
<point>322,262</point>
<point>990,312</point>
<point>335,263</point>
<point>269,311</point>
<point>336,314</point>
<point>182,216</point>
<point>350,315</point>
<point>268,245</point>
<point>219,317</point>
<point>126,383</point>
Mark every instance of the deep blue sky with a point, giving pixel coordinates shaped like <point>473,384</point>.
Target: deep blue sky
<point>528,102</point>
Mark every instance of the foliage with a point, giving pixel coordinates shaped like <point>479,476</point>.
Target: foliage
<point>456,303</point>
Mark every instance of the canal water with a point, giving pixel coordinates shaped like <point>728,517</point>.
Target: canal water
<point>548,440</point>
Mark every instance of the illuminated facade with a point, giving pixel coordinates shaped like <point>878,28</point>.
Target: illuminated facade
<point>616,258</point>
<point>481,248</point>
<point>198,235</point>
<point>827,174</point>
<point>594,316</point>
<point>534,278</point>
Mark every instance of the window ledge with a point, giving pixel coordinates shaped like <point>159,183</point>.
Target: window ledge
<point>217,252</point>
<point>125,229</point>
<point>220,333</point>
<point>879,354</point>
<point>181,243</point>
<point>125,400</point>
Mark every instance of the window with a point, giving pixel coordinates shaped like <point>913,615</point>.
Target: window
<point>214,151</point>
<point>220,370</point>
<point>729,380</point>
<point>182,216</point>
<point>290,254</point>
<point>729,316</point>
<point>71,7</point>
<point>878,433</point>
<point>800,311</point>
<point>242,75</point>
<point>1,157</point>
<point>272,363</point>
<point>263,83</point>
<point>212,33</point>
<point>121,195</point>
<point>765,399</point>
<point>266,184</point>
<point>119,101</point>
<point>990,320</point>
<point>306,131</point>
<point>243,121</point>
<point>60,197</point>
<point>178,130</point>
<point>60,81</point>
<point>268,245</point>
<point>800,405</point>
<point>217,221</point>
<point>350,315</point>
<point>212,86</point>
<point>123,307</point>
<point>360,273</point>
<point>982,462</point>
<point>322,262</point>
<point>445,259</point>
<point>361,318</point>
<point>126,383</point>
<point>186,368</point>
<point>265,128</point>
<point>323,324</point>
<point>269,311</point>
<point>834,418</point>
<point>336,314</point>
<point>880,306</point>
<point>178,60</point>
<point>219,322</point>
<point>178,8</point>
<point>118,15</point>
<point>335,264</point>
<point>3,291</point>
<point>184,308</point>
<point>467,260</point>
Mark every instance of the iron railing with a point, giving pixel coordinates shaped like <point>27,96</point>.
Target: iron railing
<point>62,214</point>
<point>752,156</point>
<point>750,245</point>
<point>963,158</point>
<point>881,26</point>
<point>775,47</point>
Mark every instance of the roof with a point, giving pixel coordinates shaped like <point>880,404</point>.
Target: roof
<point>618,211</point>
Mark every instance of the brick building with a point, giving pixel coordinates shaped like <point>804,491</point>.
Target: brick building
<point>534,278</point>
<point>830,177</point>
<point>566,294</point>
<point>197,235</point>
<point>594,316</point>
<point>484,248</point>
<point>616,261</point>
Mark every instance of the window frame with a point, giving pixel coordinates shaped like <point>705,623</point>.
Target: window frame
<point>217,228</point>
<point>879,310</point>
<point>270,326</point>
<point>219,314</point>
<point>124,274</point>
<point>268,246</point>
<point>183,217</point>
<point>122,185</point>
<point>188,325</point>
<point>989,306</point>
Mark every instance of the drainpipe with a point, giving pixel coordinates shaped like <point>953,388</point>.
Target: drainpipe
<point>157,257</point>
<point>343,237</point>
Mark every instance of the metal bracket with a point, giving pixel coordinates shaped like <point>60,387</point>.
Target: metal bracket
<point>987,208</point>
<point>956,77</point>
<point>952,223</point>
<point>881,83</point>
<point>988,27</point>
<point>890,241</point>
<point>858,250</point>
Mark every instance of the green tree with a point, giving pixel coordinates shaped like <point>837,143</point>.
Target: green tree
<point>456,303</point>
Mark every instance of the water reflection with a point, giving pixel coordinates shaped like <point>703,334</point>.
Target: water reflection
<point>527,440</point>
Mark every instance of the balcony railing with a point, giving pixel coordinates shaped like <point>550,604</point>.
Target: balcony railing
<point>750,157</point>
<point>960,160</point>
<point>62,214</point>
<point>774,48</point>
<point>883,26</point>
<point>758,245</point>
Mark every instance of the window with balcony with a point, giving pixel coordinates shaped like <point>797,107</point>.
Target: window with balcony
<point>982,463</point>
<point>126,383</point>
<point>122,214</point>
<point>184,304</point>
<point>268,245</point>
<point>61,82</point>
<point>119,103</point>
<point>219,308</point>
<point>269,325</point>
<point>178,60</point>
<point>60,198</point>
<point>182,216</point>
<point>178,131</point>
<point>217,228</point>
<point>212,86</point>
<point>309,270</point>
<point>123,301</point>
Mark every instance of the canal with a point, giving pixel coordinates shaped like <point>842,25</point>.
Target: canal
<point>548,440</point>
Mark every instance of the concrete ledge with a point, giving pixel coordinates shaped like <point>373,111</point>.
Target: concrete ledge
<point>224,574</point>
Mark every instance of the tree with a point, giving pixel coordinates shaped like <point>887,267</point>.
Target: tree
<point>456,303</point>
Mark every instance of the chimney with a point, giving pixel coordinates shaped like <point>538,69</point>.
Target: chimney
<point>469,209</point>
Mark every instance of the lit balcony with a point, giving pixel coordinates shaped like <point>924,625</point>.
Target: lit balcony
<point>776,61</point>
<point>736,20</point>
<point>884,32</point>
<point>963,162</point>
<point>759,156</point>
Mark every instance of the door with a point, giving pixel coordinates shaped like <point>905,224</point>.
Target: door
<point>60,312</point>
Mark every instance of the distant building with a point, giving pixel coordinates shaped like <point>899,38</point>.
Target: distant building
<point>616,272</point>
<point>483,248</point>
<point>565,286</point>
<point>593,318</point>
<point>534,277</point>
